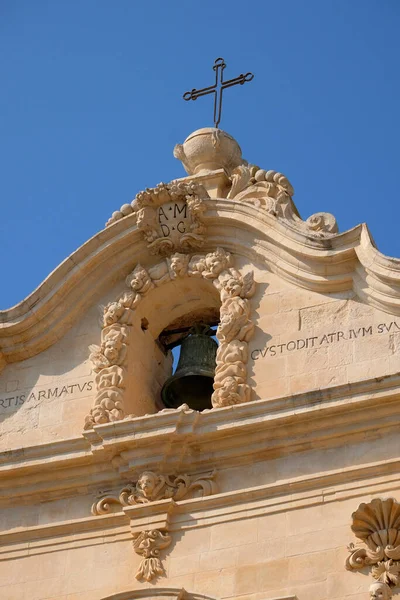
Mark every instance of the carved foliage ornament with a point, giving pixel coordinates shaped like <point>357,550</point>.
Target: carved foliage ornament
<point>151,487</point>
<point>148,545</point>
<point>169,216</point>
<point>234,331</point>
<point>272,192</point>
<point>377,526</point>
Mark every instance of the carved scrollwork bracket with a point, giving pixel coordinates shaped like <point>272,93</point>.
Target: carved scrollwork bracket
<point>377,526</point>
<point>149,503</point>
<point>272,192</point>
<point>151,487</point>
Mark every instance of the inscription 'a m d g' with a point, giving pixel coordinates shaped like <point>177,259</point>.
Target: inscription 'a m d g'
<point>173,218</point>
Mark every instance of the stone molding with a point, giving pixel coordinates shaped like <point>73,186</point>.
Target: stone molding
<point>257,430</point>
<point>340,262</point>
<point>188,514</point>
<point>234,330</point>
<point>166,593</point>
<point>377,527</point>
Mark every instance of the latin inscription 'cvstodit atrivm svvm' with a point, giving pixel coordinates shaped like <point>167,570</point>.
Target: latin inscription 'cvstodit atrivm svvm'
<point>324,339</point>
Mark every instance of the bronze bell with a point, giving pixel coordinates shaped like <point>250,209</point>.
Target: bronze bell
<point>192,382</point>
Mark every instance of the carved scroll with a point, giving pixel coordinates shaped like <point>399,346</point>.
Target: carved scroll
<point>377,526</point>
<point>151,487</point>
<point>272,192</point>
<point>234,331</point>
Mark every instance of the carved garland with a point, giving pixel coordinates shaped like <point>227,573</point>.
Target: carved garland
<point>234,331</point>
<point>377,526</point>
<point>151,487</point>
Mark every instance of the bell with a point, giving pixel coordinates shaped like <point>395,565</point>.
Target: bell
<point>192,382</point>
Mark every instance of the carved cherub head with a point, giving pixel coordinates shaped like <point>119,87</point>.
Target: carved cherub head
<point>226,393</point>
<point>216,261</point>
<point>138,279</point>
<point>229,385</point>
<point>178,264</point>
<point>112,345</point>
<point>231,284</point>
<point>112,313</point>
<point>146,484</point>
<point>380,591</point>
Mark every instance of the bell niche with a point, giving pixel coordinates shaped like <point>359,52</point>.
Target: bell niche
<point>192,382</point>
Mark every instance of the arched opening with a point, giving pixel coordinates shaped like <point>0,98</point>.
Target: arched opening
<point>161,323</point>
<point>163,593</point>
<point>194,347</point>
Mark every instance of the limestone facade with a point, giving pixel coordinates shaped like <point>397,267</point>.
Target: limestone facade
<point>288,487</point>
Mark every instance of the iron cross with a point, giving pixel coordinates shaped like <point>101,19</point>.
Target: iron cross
<point>219,86</point>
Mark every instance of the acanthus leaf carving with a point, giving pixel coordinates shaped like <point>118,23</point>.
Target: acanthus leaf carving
<point>377,526</point>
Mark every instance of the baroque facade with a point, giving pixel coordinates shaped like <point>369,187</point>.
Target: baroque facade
<point>287,488</point>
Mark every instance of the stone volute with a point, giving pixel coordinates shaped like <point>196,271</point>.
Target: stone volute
<point>209,149</point>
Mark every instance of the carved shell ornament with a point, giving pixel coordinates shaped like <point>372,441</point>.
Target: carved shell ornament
<point>377,526</point>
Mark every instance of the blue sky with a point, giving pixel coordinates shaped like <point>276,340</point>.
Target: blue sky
<point>91,109</point>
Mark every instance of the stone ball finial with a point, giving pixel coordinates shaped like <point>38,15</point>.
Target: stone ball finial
<point>209,149</point>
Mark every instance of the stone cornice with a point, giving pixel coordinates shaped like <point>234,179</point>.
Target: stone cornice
<point>191,442</point>
<point>325,264</point>
<point>182,515</point>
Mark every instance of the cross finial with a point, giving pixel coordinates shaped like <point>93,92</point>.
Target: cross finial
<point>219,86</point>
